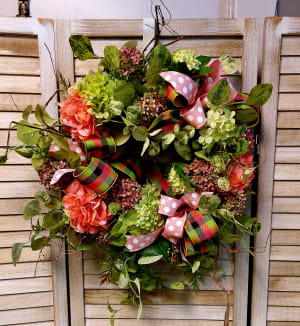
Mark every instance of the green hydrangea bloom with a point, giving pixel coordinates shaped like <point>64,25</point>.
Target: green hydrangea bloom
<point>177,184</point>
<point>221,127</point>
<point>148,219</point>
<point>97,88</point>
<point>187,56</point>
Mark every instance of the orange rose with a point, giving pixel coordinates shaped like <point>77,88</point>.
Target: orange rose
<point>236,171</point>
<point>88,212</point>
<point>74,114</point>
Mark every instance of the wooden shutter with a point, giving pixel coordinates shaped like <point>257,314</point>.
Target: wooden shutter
<point>276,284</point>
<point>88,298</point>
<point>26,77</point>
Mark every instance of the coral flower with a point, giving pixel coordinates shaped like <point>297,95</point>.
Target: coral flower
<point>88,212</point>
<point>74,114</point>
<point>237,172</point>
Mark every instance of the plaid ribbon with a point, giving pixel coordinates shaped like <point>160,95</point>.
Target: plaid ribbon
<point>200,248</point>
<point>174,97</point>
<point>98,175</point>
<point>166,117</point>
<point>161,182</point>
<point>100,147</point>
<point>200,228</point>
<point>125,168</point>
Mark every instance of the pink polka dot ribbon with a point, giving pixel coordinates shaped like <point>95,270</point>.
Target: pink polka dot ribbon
<point>73,146</point>
<point>174,228</point>
<point>59,173</point>
<point>184,85</point>
<point>139,242</point>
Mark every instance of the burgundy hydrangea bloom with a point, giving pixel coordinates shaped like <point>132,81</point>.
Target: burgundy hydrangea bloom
<point>152,104</point>
<point>131,60</point>
<point>127,193</point>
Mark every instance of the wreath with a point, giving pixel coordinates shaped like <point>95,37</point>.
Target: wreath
<point>149,165</point>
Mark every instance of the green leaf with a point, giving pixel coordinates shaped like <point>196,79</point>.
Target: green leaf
<point>204,70</point>
<point>37,161</point>
<point>155,132</point>
<point>39,243</point>
<point>246,115</point>
<point>109,307</point>
<point>260,94</point>
<point>209,203</point>
<point>124,92</point>
<point>226,233</point>
<point>31,209</point>
<point>138,284</point>
<point>203,59</point>
<point>52,218</point>
<point>24,151</point>
<point>153,149</point>
<point>167,139</point>
<point>27,135</point>
<point>160,247</point>
<point>178,169</point>
<point>27,112</point>
<point>119,229</point>
<point>242,147</point>
<point>62,142</point>
<point>247,172</point>
<point>70,157</point>
<point>140,311</point>
<point>123,281</point>
<point>130,44</point>
<point>38,114</point>
<point>177,285</point>
<point>114,208</point>
<point>183,150</point>
<point>140,133</point>
<point>161,52</point>
<point>145,260</point>
<point>196,266</point>
<point>201,154</point>
<point>220,93</point>
<point>131,217</point>
<point>152,74</point>
<point>3,159</point>
<point>81,47</point>
<point>218,163</point>
<point>223,183</point>
<point>230,66</point>
<point>119,242</point>
<point>16,252</point>
<point>145,146</point>
<point>111,58</point>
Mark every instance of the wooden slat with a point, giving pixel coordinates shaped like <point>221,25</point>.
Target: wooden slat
<point>29,300</point>
<point>286,189</point>
<point>14,141</point>
<point>286,205</point>
<point>289,83</point>
<point>290,65</point>
<point>15,222</point>
<point>21,100</point>
<point>287,155</point>
<point>153,322</point>
<point>283,323</point>
<point>281,283</point>
<point>12,206</point>
<point>215,298</point>
<point>28,255</point>
<point>270,74</point>
<point>26,285</point>
<point>14,190</point>
<point>290,45</point>
<point>26,315</point>
<point>47,323</point>
<point>108,27</point>
<point>286,237</point>
<point>281,268</point>
<point>19,46</point>
<point>159,312</point>
<point>213,47</point>
<point>19,66</point>
<point>289,102</point>
<point>286,221</point>
<point>24,270</point>
<point>7,117</point>
<point>287,172</point>
<point>285,253</point>
<point>93,282</point>
<point>15,158</point>
<point>288,120</point>
<point>7,239</point>
<point>206,27</point>
<point>284,299</point>
<point>13,173</point>
<point>286,137</point>
<point>20,84</point>
<point>284,313</point>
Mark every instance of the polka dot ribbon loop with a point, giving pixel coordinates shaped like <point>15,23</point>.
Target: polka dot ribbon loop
<point>174,228</point>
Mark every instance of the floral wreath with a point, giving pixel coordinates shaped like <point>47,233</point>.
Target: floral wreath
<point>149,165</point>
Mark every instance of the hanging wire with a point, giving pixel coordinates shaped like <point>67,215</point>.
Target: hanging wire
<point>277,8</point>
